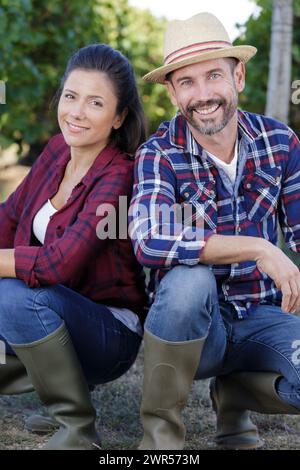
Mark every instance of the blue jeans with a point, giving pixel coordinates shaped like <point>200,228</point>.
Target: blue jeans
<point>105,347</point>
<point>186,307</point>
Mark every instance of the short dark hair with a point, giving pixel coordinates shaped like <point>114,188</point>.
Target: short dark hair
<point>105,59</point>
<point>233,63</point>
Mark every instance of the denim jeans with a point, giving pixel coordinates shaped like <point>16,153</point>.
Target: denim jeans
<point>105,347</point>
<point>186,307</point>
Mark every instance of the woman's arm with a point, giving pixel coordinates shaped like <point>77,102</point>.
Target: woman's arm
<point>7,263</point>
<point>12,208</point>
<point>68,256</point>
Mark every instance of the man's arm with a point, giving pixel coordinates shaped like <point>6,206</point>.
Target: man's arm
<point>222,249</point>
<point>158,241</point>
<point>289,204</point>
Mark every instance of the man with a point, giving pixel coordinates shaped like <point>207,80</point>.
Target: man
<point>225,294</point>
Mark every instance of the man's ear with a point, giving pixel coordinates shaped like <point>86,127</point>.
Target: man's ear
<point>120,119</point>
<point>239,76</point>
<point>171,92</point>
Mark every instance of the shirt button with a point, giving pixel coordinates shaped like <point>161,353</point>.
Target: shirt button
<point>248,185</point>
<point>186,194</point>
<point>238,229</point>
<point>227,288</point>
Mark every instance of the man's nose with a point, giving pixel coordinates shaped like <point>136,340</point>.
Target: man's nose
<point>204,91</point>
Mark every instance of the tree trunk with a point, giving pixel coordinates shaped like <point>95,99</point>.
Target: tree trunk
<point>279,83</point>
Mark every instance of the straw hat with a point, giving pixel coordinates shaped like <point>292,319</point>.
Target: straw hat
<point>201,37</point>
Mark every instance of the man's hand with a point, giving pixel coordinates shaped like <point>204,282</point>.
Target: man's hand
<point>227,249</point>
<point>284,273</point>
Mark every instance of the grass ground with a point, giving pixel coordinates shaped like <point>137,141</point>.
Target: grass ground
<point>117,405</point>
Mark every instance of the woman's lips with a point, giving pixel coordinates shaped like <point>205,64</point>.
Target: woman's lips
<point>75,128</point>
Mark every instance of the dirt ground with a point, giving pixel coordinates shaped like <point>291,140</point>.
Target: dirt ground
<point>117,405</point>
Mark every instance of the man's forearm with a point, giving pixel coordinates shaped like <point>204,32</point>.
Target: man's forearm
<point>227,249</point>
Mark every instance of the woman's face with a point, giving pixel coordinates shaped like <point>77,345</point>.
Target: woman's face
<point>87,110</point>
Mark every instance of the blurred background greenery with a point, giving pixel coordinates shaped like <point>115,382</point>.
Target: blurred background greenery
<point>37,37</point>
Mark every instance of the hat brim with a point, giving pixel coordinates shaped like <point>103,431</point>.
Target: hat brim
<point>242,53</point>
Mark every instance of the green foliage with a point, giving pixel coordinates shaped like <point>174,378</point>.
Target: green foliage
<point>38,36</point>
<point>258,33</point>
<point>139,35</point>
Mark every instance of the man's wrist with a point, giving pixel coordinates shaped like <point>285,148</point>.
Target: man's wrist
<point>260,248</point>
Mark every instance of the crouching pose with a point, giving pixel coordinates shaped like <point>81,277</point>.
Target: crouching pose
<point>71,299</point>
<point>225,294</point>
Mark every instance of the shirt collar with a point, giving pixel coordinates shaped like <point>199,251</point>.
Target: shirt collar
<point>103,158</point>
<point>181,136</point>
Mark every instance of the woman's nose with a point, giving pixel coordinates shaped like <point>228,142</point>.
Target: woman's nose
<point>77,110</point>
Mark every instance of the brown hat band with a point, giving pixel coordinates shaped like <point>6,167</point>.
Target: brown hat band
<point>194,49</point>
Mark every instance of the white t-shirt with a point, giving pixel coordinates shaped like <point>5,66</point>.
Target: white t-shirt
<point>41,220</point>
<point>229,168</point>
<point>40,223</point>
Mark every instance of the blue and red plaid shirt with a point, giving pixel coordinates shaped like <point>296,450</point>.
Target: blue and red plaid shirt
<point>106,271</point>
<point>171,167</point>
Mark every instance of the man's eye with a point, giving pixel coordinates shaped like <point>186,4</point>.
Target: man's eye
<point>186,83</point>
<point>214,76</point>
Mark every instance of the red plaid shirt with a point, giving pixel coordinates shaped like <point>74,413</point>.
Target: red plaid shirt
<point>105,271</point>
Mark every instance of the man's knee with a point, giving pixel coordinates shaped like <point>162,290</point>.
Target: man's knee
<point>189,286</point>
<point>183,303</point>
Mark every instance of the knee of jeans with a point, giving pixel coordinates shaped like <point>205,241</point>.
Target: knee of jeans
<point>190,285</point>
<point>14,296</point>
<point>186,293</point>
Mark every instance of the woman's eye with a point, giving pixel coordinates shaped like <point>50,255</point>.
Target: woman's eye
<point>97,103</point>
<point>68,96</point>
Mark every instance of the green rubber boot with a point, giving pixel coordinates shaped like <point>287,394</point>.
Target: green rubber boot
<point>169,370</point>
<point>233,396</point>
<point>13,377</point>
<point>57,377</point>
<point>41,424</point>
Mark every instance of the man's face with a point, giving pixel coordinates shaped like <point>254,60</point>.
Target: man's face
<point>207,93</point>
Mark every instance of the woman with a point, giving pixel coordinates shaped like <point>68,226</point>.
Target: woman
<point>71,301</point>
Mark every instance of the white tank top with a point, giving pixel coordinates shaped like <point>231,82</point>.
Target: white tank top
<point>40,223</point>
<point>41,220</point>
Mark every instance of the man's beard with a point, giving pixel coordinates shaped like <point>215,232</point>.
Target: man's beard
<point>209,127</point>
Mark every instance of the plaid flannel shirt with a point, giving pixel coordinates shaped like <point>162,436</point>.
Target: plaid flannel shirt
<point>105,271</point>
<point>171,167</point>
